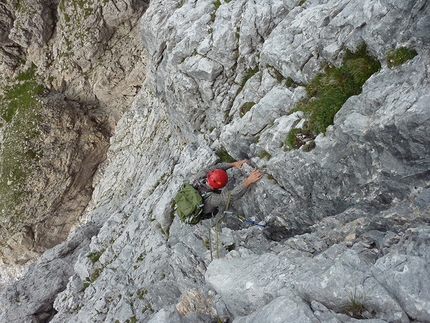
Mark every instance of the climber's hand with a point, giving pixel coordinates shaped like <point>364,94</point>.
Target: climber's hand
<point>255,176</point>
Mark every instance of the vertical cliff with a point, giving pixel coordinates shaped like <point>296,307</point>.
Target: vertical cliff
<point>68,77</point>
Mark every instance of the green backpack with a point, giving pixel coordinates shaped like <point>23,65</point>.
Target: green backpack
<point>188,204</point>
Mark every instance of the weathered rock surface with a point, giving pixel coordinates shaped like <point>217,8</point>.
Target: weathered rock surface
<point>348,230</point>
<point>72,146</point>
<point>90,58</point>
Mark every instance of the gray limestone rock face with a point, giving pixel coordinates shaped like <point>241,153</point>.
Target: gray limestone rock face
<point>6,23</point>
<point>35,33</point>
<point>31,298</point>
<point>347,223</point>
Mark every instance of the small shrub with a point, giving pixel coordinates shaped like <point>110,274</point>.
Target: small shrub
<point>400,56</point>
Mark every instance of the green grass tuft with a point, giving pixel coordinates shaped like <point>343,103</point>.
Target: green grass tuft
<point>95,256</point>
<point>217,4</point>
<point>224,156</point>
<point>289,82</point>
<point>355,306</point>
<point>249,73</point>
<point>245,108</point>
<point>21,96</point>
<point>292,140</point>
<point>329,90</point>
<point>265,154</point>
<point>275,73</point>
<point>298,137</point>
<point>400,56</point>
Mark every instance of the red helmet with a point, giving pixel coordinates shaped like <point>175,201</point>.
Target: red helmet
<point>217,178</point>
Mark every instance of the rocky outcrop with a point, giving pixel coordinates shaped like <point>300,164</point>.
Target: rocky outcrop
<point>48,277</point>
<point>89,51</point>
<point>89,59</point>
<point>58,191</point>
<point>347,222</point>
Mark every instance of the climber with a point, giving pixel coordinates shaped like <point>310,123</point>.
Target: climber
<point>214,178</point>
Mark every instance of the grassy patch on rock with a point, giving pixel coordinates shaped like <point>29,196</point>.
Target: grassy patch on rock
<point>19,123</point>
<point>249,73</point>
<point>95,256</point>
<point>399,56</point>
<point>299,137</point>
<point>329,90</point>
<point>224,156</point>
<point>245,108</point>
